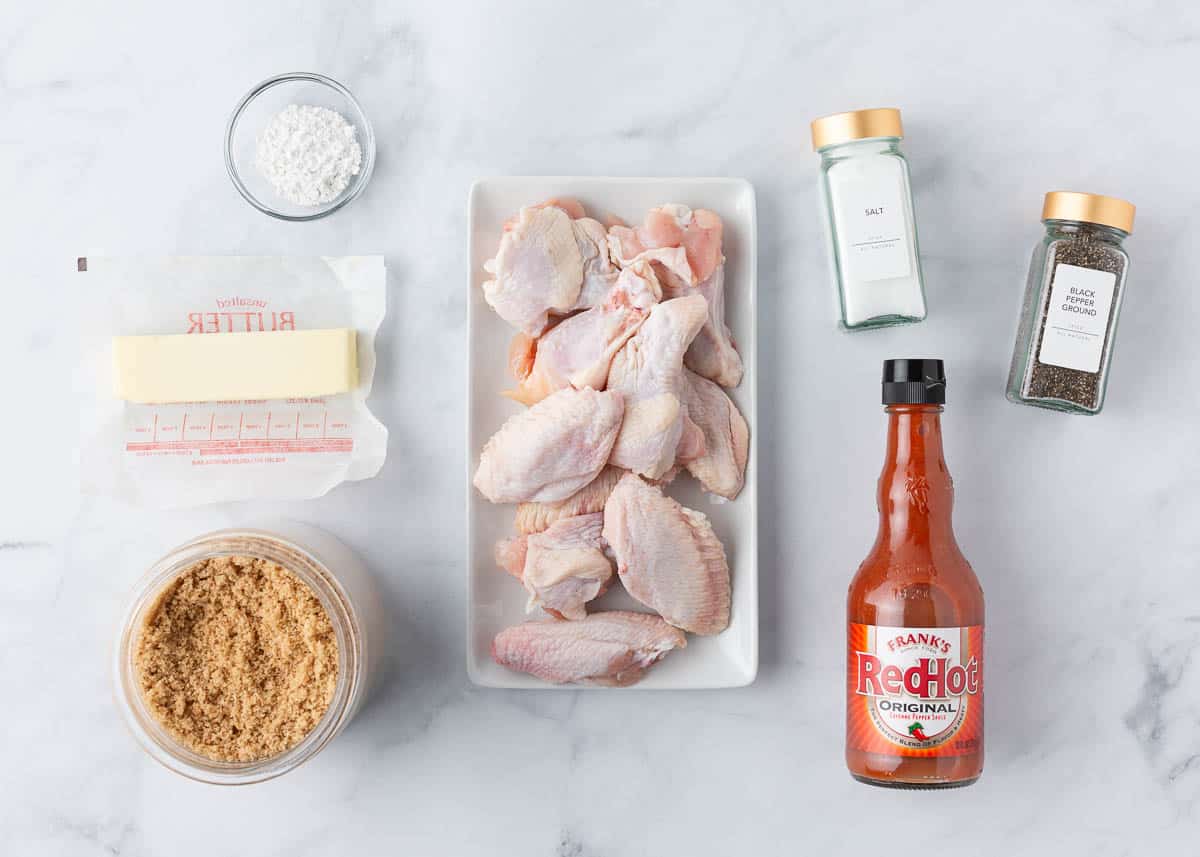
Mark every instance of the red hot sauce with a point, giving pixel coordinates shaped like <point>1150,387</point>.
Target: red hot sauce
<point>914,688</point>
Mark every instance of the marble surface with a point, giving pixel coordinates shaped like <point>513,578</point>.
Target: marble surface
<point>1083,530</point>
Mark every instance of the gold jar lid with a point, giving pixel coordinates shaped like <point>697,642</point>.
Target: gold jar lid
<point>1089,208</point>
<point>856,125</point>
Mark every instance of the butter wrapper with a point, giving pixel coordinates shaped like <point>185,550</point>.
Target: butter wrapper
<point>189,454</point>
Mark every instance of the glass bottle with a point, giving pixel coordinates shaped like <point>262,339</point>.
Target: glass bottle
<point>915,614</point>
<point>1072,301</point>
<point>871,230</point>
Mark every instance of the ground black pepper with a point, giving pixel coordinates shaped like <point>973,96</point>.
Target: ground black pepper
<point>1084,249</point>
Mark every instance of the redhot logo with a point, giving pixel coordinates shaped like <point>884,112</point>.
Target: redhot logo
<point>914,691</point>
<point>930,678</point>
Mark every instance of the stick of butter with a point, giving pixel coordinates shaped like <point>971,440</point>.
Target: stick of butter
<point>212,367</point>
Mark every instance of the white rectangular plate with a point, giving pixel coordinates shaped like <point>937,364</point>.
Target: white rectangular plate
<point>496,601</point>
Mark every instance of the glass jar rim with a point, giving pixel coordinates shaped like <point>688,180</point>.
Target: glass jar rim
<point>858,141</point>
<point>1054,222</point>
<point>147,730</point>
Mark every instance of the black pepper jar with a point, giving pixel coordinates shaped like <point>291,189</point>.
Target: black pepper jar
<point>1072,301</point>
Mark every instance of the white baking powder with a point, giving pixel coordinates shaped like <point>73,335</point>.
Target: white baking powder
<point>308,154</point>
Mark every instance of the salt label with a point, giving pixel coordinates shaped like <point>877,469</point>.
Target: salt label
<point>1077,318</point>
<point>871,217</point>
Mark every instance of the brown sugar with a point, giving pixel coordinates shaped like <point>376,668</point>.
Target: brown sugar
<point>237,659</point>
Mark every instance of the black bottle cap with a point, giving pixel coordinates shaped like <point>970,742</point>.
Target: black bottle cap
<point>914,382</point>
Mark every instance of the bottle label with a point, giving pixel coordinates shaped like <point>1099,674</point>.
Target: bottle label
<point>874,243</point>
<point>915,691</point>
<point>1080,299</point>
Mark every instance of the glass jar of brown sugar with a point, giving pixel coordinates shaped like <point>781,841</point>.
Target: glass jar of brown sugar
<point>218,672</point>
<point>1072,301</point>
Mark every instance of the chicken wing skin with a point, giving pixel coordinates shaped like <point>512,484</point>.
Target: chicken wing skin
<point>713,352</point>
<point>550,451</point>
<point>536,517</point>
<point>650,435</point>
<point>562,568</point>
<point>697,233</point>
<point>685,248</point>
<point>648,371</point>
<point>668,557</point>
<point>599,272</point>
<point>538,269</point>
<point>578,351</point>
<point>721,468</point>
<point>613,648</point>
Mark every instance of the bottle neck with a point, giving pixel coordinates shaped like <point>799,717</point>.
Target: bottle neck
<point>916,493</point>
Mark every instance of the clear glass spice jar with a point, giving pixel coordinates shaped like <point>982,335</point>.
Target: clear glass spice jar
<point>349,597</point>
<point>1072,302</point>
<point>872,233</point>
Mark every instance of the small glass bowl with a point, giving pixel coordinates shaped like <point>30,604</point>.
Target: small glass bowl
<point>258,107</point>
<point>349,599</point>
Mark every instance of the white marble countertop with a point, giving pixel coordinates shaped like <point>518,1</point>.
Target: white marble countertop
<point>1083,530</point>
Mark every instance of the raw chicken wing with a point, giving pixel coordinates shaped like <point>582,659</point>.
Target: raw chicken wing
<point>578,351</point>
<point>572,206</point>
<point>599,272</point>
<point>562,568</point>
<point>510,555</point>
<point>538,270</point>
<point>535,517</point>
<point>685,247</point>
<point>670,263</point>
<point>668,557</point>
<point>697,233</point>
<point>650,435</point>
<point>648,371</point>
<point>612,648</point>
<point>550,451</point>
<point>721,468</point>
<point>712,353</point>
<point>591,236</point>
